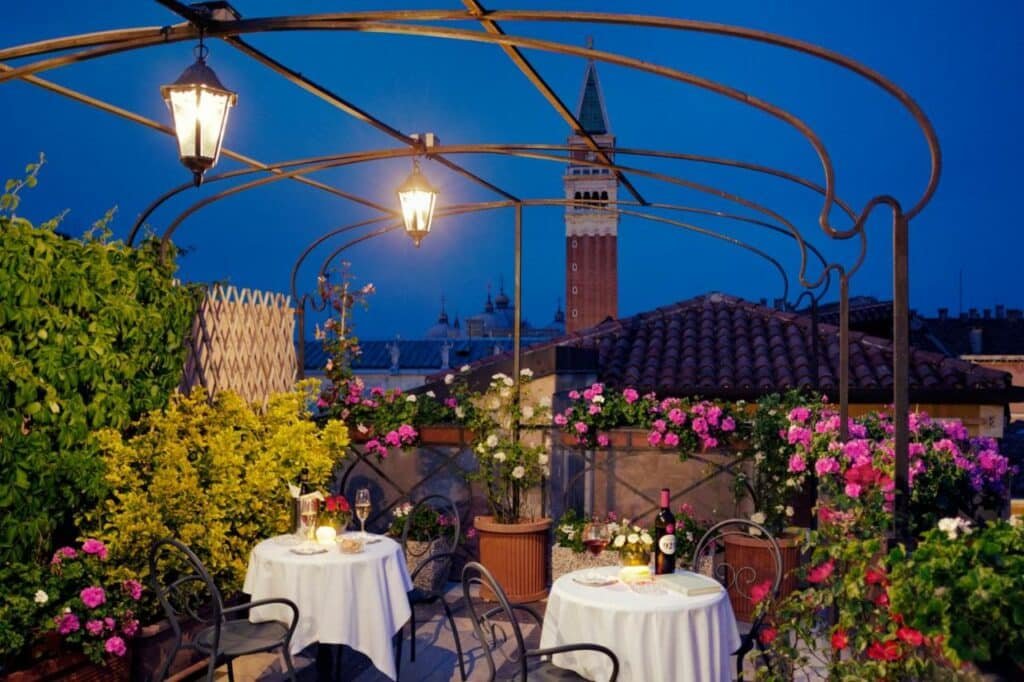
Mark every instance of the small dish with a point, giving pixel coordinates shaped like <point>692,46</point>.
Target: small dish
<point>308,550</point>
<point>593,579</point>
<point>350,545</point>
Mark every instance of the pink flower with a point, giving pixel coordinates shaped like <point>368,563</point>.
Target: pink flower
<point>581,427</point>
<point>713,415</point>
<point>63,553</point>
<point>852,490</point>
<point>574,395</point>
<point>910,636</point>
<point>392,439</point>
<point>67,623</point>
<point>798,434</point>
<point>630,395</point>
<point>671,440</point>
<point>821,572</point>
<point>767,635</point>
<point>94,627</point>
<point>96,547</point>
<point>826,465</point>
<point>133,588</point>
<point>709,442</point>
<point>406,432</point>
<point>597,388</point>
<point>686,508</point>
<point>471,533</point>
<point>109,623</point>
<point>799,414</point>
<point>93,596</point>
<point>594,409</point>
<point>700,425</point>
<point>602,440</point>
<point>761,590</point>
<point>451,403</point>
<point>588,395</point>
<point>797,464</point>
<point>728,424</point>
<point>561,420</point>
<point>115,645</point>
<point>676,416</point>
<point>654,438</point>
<point>659,425</point>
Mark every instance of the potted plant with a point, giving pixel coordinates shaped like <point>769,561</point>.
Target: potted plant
<point>427,525</point>
<point>510,463</point>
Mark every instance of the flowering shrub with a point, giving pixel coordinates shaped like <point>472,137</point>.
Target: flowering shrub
<point>673,423</point>
<point>511,462</point>
<point>427,523</point>
<point>689,531</point>
<point>963,588</point>
<point>89,609</point>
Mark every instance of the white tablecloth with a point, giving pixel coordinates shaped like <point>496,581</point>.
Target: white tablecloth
<point>355,599</point>
<point>663,637</point>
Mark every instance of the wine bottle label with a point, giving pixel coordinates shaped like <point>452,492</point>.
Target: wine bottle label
<point>667,543</point>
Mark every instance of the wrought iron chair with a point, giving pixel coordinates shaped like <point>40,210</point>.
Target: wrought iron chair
<point>436,552</point>
<point>189,592</point>
<point>709,559</point>
<point>487,631</point>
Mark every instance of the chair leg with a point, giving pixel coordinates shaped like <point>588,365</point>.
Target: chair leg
<point>746,644</point>
<point>211,668</point>
<point>231,671</point>
<point>287,655</point>
<point>455,634</point>
<point>398,649</point>
<point>412,634</point>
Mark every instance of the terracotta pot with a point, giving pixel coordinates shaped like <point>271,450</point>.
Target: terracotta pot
<point>445,435</point>
<point>57,664</point>
<point>516,554</point>
<point>153,643</point>
<point>743,551</point>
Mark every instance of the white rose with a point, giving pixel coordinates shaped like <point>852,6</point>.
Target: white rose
<point>757,517</point>
<point>647,540</point>
<point>431,394</point>
<point>546,472</point>
<point>410,398</point>
<point>459,412</point>
<point>500,456</point>
<point>545,402</point>
<point>570,534</point>
<point>508,381</point>
<point>504,393</point>
<point>492,441</point>
<point>633,538</point>
<point>597,399</point>
<point>41,597</point>
<point>464,368</point>
<point>449,378</point>
<point>527,412</point>
<point>949,527</point>
<point>526,372</point>
<point>542,459</point>
<point>493,404</point>
<point>789,511</point>
<point>1016,521</point>
<point>362,428</point>
<point>481,449</point>
<point>518,472</point>
<point>497,377</point>
<point>619,541</point>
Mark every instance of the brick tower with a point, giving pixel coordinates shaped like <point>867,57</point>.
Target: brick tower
<point>591,230</point>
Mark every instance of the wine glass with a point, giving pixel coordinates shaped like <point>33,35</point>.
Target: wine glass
<point>308,514</point>
<point>363,510</point>
<point>595,536</point>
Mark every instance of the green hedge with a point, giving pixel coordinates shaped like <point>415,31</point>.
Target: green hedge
<point>91,336</point>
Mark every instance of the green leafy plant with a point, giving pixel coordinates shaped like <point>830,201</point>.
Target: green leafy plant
<point>91,336</point>
<point>212,473</point>
<point>426,523</point>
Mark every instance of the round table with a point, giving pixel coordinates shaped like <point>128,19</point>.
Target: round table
<point>658,637</point>
<point>356,599</point>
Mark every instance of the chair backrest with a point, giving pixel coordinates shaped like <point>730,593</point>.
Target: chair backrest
<point>740,569</point>
<point>489,630</point>
<point>422,542</point>
<point>184,587</point>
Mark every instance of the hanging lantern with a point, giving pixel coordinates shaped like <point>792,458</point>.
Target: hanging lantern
<point>417,198</point>
<point>199,106</point>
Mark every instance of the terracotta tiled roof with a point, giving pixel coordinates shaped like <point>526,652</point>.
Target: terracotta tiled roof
<point>717,345</point>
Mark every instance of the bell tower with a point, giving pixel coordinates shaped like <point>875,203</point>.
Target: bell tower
<point>592,223</point>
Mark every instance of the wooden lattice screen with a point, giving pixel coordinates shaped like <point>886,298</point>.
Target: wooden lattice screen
<point>243,341</point>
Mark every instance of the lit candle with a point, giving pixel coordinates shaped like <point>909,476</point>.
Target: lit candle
<point>325,535</point>
<point>634,574</point>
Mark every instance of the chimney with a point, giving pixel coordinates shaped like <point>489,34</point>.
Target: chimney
<point>973,313</point>
<point>987,313</point>
<point>1000,312</point>
<point>975,339</point>
<point>779,303</point>
<point>943,313</point>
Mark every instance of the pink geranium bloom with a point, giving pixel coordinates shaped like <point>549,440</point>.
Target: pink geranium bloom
<point>671,440</point>
<point>676,416</point>
<point>602,440</point>
<point>588,395</point>
<point>63,553</point>
<point>821,572</point>
<point>659,425</point>
<point>93,596</point>
<point>574,395</point>
<point>761,590</point>
<point>561,420</point>
<point>700,425</point>
<point>94,627</point>
<point>852,490</point>
<point>115,645</point>
<point>594,409</point>
<point>799,414</point>
<point>630,395</point>
<point>581,427</point>
<point>826,465</point>
<point>798,434</point>
<point>797,463</point>
<point>67,623</point>
<point>133,588</point>
<point>728,424</point>
<point>597,389</point>
<point>709,442</point>
<point>96,547</point>
<point>392,439</point>
<point>713,415</point>
<point>654,438</point>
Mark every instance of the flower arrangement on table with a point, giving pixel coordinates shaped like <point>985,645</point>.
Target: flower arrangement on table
<point>336,512</point>
<point>85,607</point>
<point>511,458</point>
<point>672,423</point>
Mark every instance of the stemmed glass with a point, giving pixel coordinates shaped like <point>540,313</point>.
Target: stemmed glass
<point>308,515</point>
<point>363,510</point>
<point>596,536</point>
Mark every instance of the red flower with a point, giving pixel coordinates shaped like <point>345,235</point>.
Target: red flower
<point>882,600</point>
<point>337,503</point>
<point>910,636</point>
<point>761,590</point>
<point>876,577</point>
<point>839,639</point>
<point>888,651</point>
<point>821,573</point>
<point>767,635</point>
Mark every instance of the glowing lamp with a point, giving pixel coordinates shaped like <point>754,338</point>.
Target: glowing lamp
<point>417,198</point>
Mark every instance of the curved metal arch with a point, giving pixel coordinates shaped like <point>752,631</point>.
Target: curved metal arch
<point>501,150</point>
<point>346,22</point>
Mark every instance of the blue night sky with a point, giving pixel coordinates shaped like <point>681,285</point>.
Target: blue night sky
<point>962,62</point>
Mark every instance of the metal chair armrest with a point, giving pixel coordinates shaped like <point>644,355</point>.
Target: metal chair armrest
<point>263,602</point>
<point>532,653</point>
<point>516,607</point>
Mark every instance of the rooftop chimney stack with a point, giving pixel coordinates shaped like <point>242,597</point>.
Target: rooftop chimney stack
<point>1000,312</point>
<point>973,313</point>
<point>779,303</point>
<point>987,313</point>
<point>975,339</point>
<point>943,313</point>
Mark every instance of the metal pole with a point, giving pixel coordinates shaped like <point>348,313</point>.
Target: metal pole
<point>517,296</point>
<point>844,357</point>
<point>901,366</point>
<point>300,345</point>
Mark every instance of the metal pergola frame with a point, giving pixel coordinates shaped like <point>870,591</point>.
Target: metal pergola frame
<point>58,52</point>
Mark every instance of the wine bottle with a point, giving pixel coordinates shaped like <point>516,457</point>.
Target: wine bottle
<point>665,537</point>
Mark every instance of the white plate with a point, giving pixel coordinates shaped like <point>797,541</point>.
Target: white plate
<point>594,579</point>
<point>307,550</point>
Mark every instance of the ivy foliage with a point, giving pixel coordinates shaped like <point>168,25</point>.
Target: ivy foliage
<point>91,336</point>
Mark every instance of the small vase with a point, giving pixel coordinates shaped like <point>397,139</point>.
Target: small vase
<point>634,554</point>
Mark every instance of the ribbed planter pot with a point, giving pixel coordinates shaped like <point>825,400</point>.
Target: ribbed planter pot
<point>516,554</point>
<point>744,551</point>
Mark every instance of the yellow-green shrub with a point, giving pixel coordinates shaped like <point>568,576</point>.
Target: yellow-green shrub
<point>213,474</point>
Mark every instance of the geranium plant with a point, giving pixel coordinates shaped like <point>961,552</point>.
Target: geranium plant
<point>89,609</point>
<point>426,523</point>
<point>512,457</point>
<point>336,511</point>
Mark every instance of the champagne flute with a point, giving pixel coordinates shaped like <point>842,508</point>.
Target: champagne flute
<point>308,515</point>
<point>363,510</point>
<point>595,536</point>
